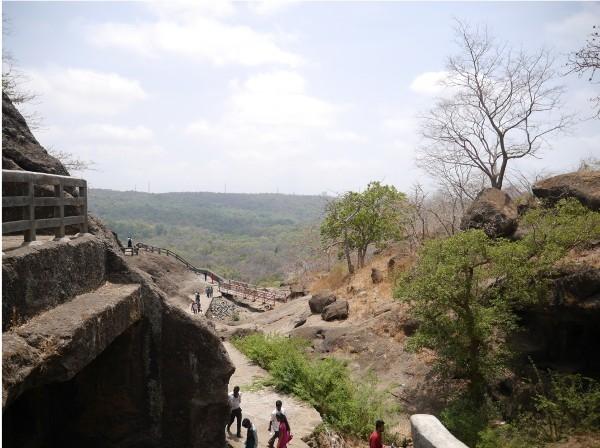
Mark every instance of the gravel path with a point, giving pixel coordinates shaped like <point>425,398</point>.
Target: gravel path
<point>257,405</point>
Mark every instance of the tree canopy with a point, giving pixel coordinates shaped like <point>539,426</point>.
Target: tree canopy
<point>355,221</point>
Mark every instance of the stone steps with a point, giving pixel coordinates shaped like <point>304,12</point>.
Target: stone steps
<point>55,345</point>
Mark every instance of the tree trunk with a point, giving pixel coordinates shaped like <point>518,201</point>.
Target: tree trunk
<point>347,254</point>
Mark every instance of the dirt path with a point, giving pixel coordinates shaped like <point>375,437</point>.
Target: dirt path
<point>257,405</point>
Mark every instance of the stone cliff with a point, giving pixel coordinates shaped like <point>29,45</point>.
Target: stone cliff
<point>93,352</point>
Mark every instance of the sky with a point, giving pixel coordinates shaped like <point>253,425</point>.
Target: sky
<point>288,97</point>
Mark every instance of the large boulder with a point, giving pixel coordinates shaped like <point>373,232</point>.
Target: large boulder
<point>376,276</point>
<point>319,301</point>
<point>337,310</point>
<point>492,211</point>
<point>584,185</point>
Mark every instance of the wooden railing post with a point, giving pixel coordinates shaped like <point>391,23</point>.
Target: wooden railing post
<point>29,213</point>
<point>59,211</point>
<point>83,194</point>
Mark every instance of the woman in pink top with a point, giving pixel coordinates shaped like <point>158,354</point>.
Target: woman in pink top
<point>284,431</point>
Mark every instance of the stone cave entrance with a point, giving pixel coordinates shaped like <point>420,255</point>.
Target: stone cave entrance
<point>105,405</point>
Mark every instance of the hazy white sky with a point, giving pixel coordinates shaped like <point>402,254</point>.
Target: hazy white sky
<point>292,97</point>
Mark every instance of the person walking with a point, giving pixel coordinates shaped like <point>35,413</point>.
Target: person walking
<point>251,435</point>
<point>235,400</point>
<point>197,299</point>
<point>274,423</point>
<point>194,307</point>
<point>129,243</point>
<point>285,434</point>
<point>207,291</point>
<point>375,441</point>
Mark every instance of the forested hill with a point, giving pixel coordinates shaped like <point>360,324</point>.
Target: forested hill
<point>254,237</point>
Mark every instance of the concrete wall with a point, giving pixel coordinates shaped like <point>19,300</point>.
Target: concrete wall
<point>428,432</point>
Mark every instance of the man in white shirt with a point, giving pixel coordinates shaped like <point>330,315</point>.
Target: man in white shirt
<point>274,424</point>
<point>235,400</point>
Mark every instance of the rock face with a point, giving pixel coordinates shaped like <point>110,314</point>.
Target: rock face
<point>428,432</point>
<point>337,310</point>
<point>298,290</point>
<point>20,149</point>
<point>116,366</point>
<point>94,354</point>
<point>376,275</point>
<point>584,186</point>
<point>53,275</point>
<point>563,333</point>
<point>319,301</point>
<point>492,211</point>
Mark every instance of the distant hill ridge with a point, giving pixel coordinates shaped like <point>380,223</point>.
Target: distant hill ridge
<point>252,237</point>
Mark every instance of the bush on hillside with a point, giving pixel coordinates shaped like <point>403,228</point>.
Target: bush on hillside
<point>349,406</point>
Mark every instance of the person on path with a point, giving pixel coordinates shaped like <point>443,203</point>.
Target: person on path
<point>207,291</point>
<point>274,423</point>
<point>251,435</point>
<point>197,298</point>
<point>285,434</point>
<point>235,400</point>
<point>129,243</point>
<point>376,436</point>
<point>194,307</point>
<point>210,291</point>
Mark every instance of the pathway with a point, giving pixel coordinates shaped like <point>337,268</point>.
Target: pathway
<point>257,405</point>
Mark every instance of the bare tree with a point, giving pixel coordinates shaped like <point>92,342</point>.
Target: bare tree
<point>587,61</point>
<point>504,105</point>
<point>70,161</point>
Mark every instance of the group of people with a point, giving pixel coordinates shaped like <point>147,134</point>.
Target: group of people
<point>279,426</point>
<point>196,306</point>
<point>209,291</point>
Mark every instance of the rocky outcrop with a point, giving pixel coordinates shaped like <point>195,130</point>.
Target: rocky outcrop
<point>37,278</point>
<point>563,331</point>
<point>298,290</point>
<point>492,211</point>
<point>584,185</point>
<point>320,300</point>
<point>428,432</point>
<point>337,310</point>
<point>376,276</point>
<point>20,149</point>
<point>94,354</point>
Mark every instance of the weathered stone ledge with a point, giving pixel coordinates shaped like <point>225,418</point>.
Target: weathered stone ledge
<point>56,345</point>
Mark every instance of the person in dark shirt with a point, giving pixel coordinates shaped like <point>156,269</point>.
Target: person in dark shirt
<point>375,441</point>
<point>251,435</point>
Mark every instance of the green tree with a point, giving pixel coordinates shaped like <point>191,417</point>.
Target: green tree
<point>356,221</point>
<point>464,289</point>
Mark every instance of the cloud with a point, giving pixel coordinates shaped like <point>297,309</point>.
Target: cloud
<point>429,83</point>
<point>190,30</point>
<point>199,127</point>
<point>279,98</point>
<point>269,7</point>
<point>111,133</point>
<point>573,30</point>
<point>86,91</point>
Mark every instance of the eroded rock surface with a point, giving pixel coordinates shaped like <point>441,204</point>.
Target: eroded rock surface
<point>584,185</point>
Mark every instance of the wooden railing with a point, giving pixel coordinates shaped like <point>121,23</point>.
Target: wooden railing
<point>233,287</point>
<point>29,224</point>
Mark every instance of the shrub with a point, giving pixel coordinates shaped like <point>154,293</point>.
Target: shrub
<point>349,406</point>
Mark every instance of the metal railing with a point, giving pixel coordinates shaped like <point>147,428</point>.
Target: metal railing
<point>233,287</point>
<point>29,202</point>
